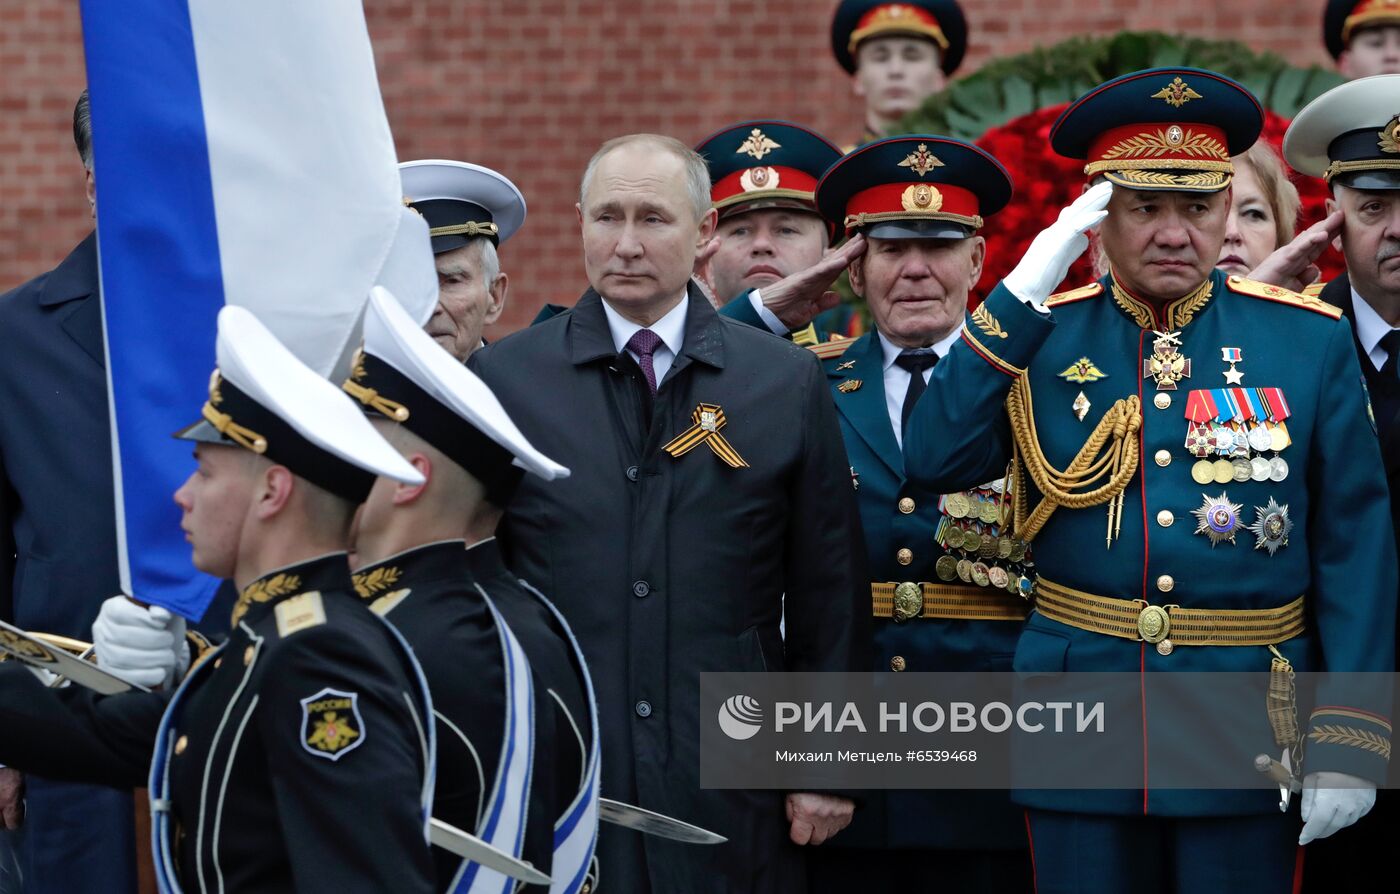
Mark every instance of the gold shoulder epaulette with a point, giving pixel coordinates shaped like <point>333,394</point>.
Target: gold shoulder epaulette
<point>827,350</point>
<point>1242,286</point>
<point>1073,295</point>
<point>1315,290</point>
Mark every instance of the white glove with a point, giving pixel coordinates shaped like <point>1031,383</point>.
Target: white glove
<point>141,645</point>
<point>1047,260</point>
<point>1333,801</point>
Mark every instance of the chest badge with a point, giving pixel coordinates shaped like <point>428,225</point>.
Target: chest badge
<point>1083,371</point>
<point>1218,519</point>
<point>331,725</point>
<point>1167,366</point>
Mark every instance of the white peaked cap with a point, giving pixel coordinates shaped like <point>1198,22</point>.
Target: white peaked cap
<point>394,337</point>
<point>279,392</point>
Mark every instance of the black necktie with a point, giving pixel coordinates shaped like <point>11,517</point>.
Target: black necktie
<point>1390,369</point>
<point>914,363</point>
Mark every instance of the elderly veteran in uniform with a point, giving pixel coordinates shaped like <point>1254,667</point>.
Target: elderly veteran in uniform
<point>1363,36</point>
<point>707,471</point>
<point>1350,136</point>
<point>1140,541</point>
<point>470,211</point>
<point>506,748</point>
<point>774,267</point>
<point>941,602</point>
<point>897,54</point>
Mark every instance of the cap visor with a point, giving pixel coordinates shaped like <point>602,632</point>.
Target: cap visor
<point>917,229</point>
<point>202,432</point>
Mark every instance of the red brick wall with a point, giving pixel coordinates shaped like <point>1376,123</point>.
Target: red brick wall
<point>531,87</point>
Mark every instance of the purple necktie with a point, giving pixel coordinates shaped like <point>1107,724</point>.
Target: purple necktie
<point>643,344</point>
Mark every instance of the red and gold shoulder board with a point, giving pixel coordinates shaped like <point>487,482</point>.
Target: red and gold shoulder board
<point>1315,290</point>
<point>834,348</point>
<point>1073,295</point>
<point>1242,286</point>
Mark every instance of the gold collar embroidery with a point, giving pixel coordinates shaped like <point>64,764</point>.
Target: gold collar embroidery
<point>370,584</point>
<point>1178,313</point>
<point>264,590</point>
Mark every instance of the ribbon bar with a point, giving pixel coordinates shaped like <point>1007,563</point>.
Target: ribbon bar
<point>708,419</point>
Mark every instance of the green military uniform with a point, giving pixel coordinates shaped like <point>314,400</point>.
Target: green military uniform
<point>1242,492</point>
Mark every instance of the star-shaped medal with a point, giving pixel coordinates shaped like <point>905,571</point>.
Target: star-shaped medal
<point>1218,519</point>
<point>1271,526</point>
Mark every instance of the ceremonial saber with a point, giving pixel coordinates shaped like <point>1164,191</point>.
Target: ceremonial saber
<point>469,847</point>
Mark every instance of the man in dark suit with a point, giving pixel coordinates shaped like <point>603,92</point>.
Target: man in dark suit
<point>58,553</point>
<point>1351,137</point>
<point>710,496</point>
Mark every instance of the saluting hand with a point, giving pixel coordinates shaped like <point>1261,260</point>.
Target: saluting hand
<point>797,299</point>
<point>815,818</point>
<point>1047,260</point>
<point>1294,266</point>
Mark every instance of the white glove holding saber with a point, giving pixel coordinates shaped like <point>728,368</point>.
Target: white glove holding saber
<point>141,644</point>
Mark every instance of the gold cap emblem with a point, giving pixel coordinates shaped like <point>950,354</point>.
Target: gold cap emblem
<point>1390,136</point>
<point>758,144</point>
<point>1177,94</point>
<point>758,178</point>
<point>921,161</point>
<point>921,197</point>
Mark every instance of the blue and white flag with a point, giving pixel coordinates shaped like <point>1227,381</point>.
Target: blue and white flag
<point>242,156</point>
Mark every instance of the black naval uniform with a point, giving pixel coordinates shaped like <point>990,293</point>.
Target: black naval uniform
<point>560,697</point>
<point>428,594</point>
<point>295,757</point>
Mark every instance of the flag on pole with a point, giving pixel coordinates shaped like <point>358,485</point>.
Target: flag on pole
<point>242,156</point>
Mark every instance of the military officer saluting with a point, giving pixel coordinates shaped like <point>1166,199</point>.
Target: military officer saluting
<point>775,266</point>
<point>1350,136</point>
<point>298,757</point>
<point>1188,435</point>
<point>508,762</point>
<point>945,577</point>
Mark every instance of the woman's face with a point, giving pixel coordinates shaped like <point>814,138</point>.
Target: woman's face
<point>1251,234</point>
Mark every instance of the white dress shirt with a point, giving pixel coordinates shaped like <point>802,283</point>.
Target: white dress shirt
<point>897,378</point>
<point>670,329</point>
<point>1370,329</point>
<point>770,319</point>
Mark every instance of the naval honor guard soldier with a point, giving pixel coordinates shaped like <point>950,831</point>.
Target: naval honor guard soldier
<point>945,577</point>
<point>418,573</point>
<point>1218,453</point>
<point>299,755</point>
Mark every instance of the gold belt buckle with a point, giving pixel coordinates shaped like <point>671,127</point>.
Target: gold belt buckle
<point>1154,624</point>
<point>908,601</point>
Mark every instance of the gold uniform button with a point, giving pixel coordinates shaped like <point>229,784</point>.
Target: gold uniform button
<point>218,663</point>
<point>904,556</point>
<point>1165,518</point>
<point>1165,583</point>
<point>897,663</point>
<point>1162,401</point>
<point>181,744</point>
<point>1163,458</point>
<point>248,656</point>
<point>906,505</point>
